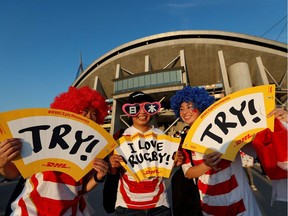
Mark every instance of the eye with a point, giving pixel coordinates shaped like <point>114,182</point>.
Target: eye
<point>84,112</point>
<point>94,114</point>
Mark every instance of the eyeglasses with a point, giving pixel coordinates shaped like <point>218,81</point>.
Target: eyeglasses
<point>134,109</point>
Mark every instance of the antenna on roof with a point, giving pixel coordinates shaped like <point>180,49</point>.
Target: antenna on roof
<point>80,68</point>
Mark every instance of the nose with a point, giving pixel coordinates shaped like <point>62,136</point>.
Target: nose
<point>88,115</point>
<point>141,109</point>
<point>184,110</point>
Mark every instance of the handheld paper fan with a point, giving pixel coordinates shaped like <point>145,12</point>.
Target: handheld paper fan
<point>55,140</point>
<point>148,155</point>
<point>232,122</point>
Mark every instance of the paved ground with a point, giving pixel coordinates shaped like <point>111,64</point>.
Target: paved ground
<point>263,197</point>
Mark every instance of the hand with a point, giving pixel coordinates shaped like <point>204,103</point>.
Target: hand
<point>213,159</point>
<point>101,167</point>
<point>115,160</point>
<point>9,150</point>
<point>180,158</point>
<point>279,113</point>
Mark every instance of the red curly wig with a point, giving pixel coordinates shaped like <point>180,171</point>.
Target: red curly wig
<point>77,99</point>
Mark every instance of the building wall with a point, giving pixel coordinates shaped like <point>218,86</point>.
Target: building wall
<point>202,51</point>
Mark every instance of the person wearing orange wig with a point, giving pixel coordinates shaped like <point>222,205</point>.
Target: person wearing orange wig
<point>52,192</point>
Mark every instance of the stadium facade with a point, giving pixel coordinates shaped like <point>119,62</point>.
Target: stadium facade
<point>222,62</point>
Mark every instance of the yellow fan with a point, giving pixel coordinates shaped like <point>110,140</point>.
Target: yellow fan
<point>232,122</point>
<point>55,140</point>
<point>148,155</point>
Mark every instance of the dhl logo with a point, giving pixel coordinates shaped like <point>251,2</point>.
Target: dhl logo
<point>243,139</point>
<point>58,165</point>
<point>149,172</point>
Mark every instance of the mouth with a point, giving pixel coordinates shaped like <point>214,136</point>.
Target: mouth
<point>186,117</point>
<point>142,117</point>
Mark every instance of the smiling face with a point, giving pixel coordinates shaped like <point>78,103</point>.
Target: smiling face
<point>141,121</point>
<point>188,113</point>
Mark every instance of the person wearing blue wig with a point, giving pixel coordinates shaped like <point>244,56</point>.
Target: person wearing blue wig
<point>222,184</point>
<point>198,96</point>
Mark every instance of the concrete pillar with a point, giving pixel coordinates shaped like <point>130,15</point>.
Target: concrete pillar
<point>147,64</point>
<point>224,73</point>
<point>183,64</point>
<point>239,76</point>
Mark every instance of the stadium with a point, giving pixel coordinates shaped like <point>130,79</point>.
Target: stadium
<point>221,62</point>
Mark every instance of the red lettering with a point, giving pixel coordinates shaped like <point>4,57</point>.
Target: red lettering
<point>152,172</point>
<point>243,139</point>
<point>58,165</point>
<point>49,164</point>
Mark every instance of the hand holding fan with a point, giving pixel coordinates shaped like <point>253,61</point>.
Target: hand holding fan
<point>148,155</point>
<point>55,140</point>
<point>232,122</point>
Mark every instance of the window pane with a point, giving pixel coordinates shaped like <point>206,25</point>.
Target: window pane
<point>141,81</point>
<point>160,78</point>
<point>166,77</point>
<point>153,79</point>
<point>147,80</point>
<point>179,76</point>
<point>118,85</point>
<point>173,77</point>
<point>124,86</point>
<point>130,83</point>
<point>136,82</point>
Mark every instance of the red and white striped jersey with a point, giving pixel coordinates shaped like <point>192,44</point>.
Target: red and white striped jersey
<point>224,192</point>
<point>50,193</point>
<point>149,193</point>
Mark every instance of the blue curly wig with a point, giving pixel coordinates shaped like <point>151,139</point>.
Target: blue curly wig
<point>197,95</point>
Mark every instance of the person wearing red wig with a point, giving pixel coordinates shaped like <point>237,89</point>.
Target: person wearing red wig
<point>52,192</point>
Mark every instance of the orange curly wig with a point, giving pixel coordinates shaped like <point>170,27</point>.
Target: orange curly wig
<point>77,99</point>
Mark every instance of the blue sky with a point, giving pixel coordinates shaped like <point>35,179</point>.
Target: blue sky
<point>41,41</point>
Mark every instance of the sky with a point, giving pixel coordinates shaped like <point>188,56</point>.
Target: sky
<point>41,41</point>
